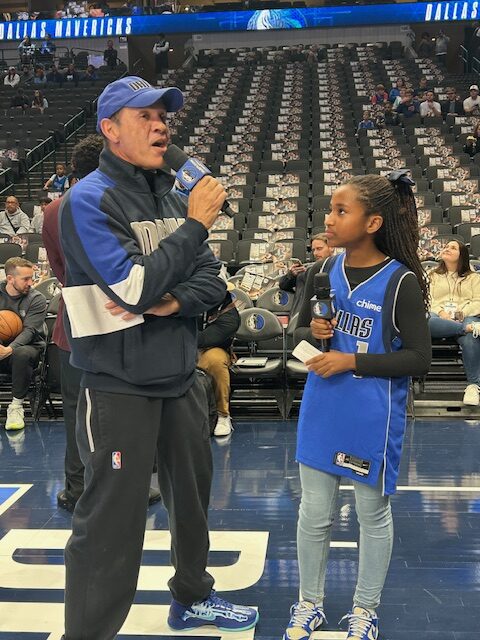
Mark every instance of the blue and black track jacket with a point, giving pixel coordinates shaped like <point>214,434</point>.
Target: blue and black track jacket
<point>134,244</point>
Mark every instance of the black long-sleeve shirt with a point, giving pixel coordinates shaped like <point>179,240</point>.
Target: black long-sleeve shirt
<point>410,317</point>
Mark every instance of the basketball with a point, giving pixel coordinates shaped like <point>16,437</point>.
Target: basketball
<point>10,325</point>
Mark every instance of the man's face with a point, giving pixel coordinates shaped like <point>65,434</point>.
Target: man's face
<point>11,204</point>
<point>473,94</point>
<point>21,280</point>
<point>429,96</point>
<point>320,249</point>
<point>140,136</point>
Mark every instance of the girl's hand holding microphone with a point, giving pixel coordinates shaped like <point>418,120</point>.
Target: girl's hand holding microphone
<point>332,362</point>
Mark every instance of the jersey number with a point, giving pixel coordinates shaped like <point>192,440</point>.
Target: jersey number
<point>362,347</point>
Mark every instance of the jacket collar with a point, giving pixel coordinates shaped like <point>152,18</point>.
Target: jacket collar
<point>129,176</point>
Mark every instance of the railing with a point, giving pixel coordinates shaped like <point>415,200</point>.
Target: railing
<point>11,57</point>
<point>476,65</point>
<point>464,57</point>
<point>72,131</point>
<point>30,158</point>
<point>8,181</point>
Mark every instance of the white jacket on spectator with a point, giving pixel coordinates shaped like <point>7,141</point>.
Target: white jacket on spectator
<point>463,291</point>
<point>9,81</point>
<point>15,223</point>
<point>430,109</point>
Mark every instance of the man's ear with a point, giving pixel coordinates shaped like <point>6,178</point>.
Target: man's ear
<point>109,128</point>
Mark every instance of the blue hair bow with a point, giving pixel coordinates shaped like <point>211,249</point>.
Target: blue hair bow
<point>400,175</point>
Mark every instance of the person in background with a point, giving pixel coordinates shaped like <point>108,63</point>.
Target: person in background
<point>215,337</point>
<point>19,100</point>
<point>39,77</point>
<point>380,96</point>
<point>26,49</point>
<point>471,146</point>
<point>399,99</point>
<point>12,219</point>
<point>47,45</point>
<point>36,224</point>
<point>455,310</point>
<point>55,75</point>
<point>452,105</point>
<point>26,76</point>
<point>90,74</point>
<point>395,91</point>
<point>71,75</point>
<point>471,105</point>
<point>12,79</point>
<point>110,55</point>
<point>409,106</point>
<point>39,102</point>
<point>160,51</point>
<point>367,122</point>
<point>390,118</point>
<point>441,48</point>
<point>430,108</point>
<point>425,46</point>
<point>58,182</point>
<point>21,356</point>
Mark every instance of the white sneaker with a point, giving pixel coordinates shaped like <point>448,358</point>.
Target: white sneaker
<point>471,395</point>
<point>476,329</point>
<point>224,426</point>
<point>15,417</point>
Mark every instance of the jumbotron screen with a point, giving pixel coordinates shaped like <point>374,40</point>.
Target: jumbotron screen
<point>340,16</point>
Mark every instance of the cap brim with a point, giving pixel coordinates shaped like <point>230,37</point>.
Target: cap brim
<point>171,97</point>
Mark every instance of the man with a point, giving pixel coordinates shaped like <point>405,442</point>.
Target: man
<point>128,236</point>
<point>85,158</point>
<point>425,47</point>
<point>441,48</point>
<point>215,338</point>
<point>21,356</point>
<point>36,224</point>
<point>408,107</point>
<point>430,108</point>
<point>19,100</point>
<point>422,87</point>
<point>12,219</point>
<point>471,105</point>
<point>160,51</point>
<point>452,105</point>
<point>294,280</point>
<point>110,55</point>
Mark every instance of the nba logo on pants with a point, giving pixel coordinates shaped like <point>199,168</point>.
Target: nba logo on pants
<point>116,459</point>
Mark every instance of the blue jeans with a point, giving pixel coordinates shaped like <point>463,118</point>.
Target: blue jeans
<point>441,328</point>
<point>317,508</point>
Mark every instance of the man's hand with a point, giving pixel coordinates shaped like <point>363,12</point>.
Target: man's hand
<point>296,268</point>
<point>330,363</point>
<point>205,201</point>
<point>166,307</point>
<point>443,314</point>
<point>322,329</point>
<point>5,352</point>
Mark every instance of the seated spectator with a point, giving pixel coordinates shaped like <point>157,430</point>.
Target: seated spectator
<point>12,219</point>
<point>58,182</point>
<point>70,75</point>
<point>39,77</point>
<point>39,102</point>
<point>430,108</point>
<point>26,49</point>
<point>47,45</point>
<point>21,356</point>
<point>380,96</point>
<point>90,74</point>
<point>215,337</point>
<point>12,79</point>
<point>425,46</point>
<point>36,224</point>
<point>453,104</point>
<point>95,11</point>
<point>294,279</point>
<point>395,90</point>
<point>390,118</point>
<point>399,99</point>
<point>110,55</point>
<point>455,310</point>
<point>26,76</point>
<point>471,105</point>
<point>409,106</point>
<point>471,146</point>
<point>422,87</point>
<point>19,100</point>
<point>54,74</point>
<point>366,123</point>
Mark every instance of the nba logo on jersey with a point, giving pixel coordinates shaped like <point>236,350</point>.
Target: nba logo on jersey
<point>116,459</point>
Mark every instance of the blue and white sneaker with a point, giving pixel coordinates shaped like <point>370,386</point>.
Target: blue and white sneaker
<point>362,624</point>
<point>305,618</point>
<point>212,611</point>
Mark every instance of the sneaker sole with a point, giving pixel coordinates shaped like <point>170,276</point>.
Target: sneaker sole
<point>214,626</point>
<point>14,427</point>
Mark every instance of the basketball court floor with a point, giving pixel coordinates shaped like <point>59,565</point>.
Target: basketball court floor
<point>432,591</point>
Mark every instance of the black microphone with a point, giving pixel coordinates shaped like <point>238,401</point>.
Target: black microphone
<point>322,302</point>
<point>189,171</point>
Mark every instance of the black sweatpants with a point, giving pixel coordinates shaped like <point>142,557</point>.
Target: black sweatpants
<point>70,383</point>
<point>21,364</point>
<point>118,437</point>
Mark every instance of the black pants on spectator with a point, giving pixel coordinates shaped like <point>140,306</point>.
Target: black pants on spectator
<point>74,470</point>
<point>118,437</point>
<point>21,364</point>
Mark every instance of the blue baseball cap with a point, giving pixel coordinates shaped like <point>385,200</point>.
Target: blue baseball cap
<point>135,92</point>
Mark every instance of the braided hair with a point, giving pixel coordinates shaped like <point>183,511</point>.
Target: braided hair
<point>398,236</point>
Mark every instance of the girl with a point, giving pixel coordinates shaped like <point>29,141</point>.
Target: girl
<point>12,79</point>
<point>353,411</point>
<point>455,310</point>
<point>39,102</point>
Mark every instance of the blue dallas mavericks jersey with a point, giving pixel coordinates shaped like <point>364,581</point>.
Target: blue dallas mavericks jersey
<point>349,425</point>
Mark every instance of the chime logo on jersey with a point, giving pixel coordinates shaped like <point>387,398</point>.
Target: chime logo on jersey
<point>116,459</point>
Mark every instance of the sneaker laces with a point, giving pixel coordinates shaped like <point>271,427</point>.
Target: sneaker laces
<point>214,601</point>
<point>301,614</point>
<point>358,624</point>
<point>476,329</point>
